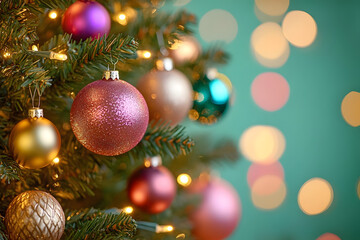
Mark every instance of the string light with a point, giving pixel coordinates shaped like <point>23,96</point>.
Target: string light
<point>58,56</point>
<point>128,210</point>
<point>164,228</point>
<point>6,54</point>
<point>56,160</point>
<point>53,14</point>
<point>144,54</point>
<point>184,179</point>
<point>34,48</point>
<point>122,19</point>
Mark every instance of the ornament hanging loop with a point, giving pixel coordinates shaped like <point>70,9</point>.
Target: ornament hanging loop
<point>35,112</point>
<point>161,42</point>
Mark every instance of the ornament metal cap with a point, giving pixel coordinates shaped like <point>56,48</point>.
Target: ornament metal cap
<point>154,161</point>
<point>111,75</point>
<point>165,64</point>
<point>35,113</point>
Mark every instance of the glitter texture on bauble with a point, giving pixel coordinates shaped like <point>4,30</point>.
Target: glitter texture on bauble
<point>109,117</point>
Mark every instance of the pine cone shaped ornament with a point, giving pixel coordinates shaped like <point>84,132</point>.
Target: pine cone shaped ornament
<point>35,215</point>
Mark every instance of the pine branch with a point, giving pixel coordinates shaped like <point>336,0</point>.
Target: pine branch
<point>163,140</point>
<point>9,169</point>
<point>59,4</point>
<point>2,229</point>
<point>97,224</point>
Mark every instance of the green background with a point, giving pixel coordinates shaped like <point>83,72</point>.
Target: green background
<point>319,143</point>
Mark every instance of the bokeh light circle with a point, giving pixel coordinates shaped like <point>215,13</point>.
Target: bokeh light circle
<point>268,192</point>
<point>350,108</point>
<point>328,236</point>
<point>180,3</point>
<point>269,45</point>
<point>315,196</point>
<point>299,28</point>
<point>272,7</point>
<point>270,91</point>
<point>262,144</point>
<point>218,25</point>
<point>256,171</point>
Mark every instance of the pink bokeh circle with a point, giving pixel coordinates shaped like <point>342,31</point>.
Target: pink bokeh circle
<point>270,91</point>
<point>328,236</point>
<point>257,171</point>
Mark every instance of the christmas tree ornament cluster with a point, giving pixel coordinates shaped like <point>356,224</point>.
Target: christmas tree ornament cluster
<point>86,18</point>
<point>152,188</point>
<point>109,116</point>
<point>219,211</point>
<point>167,91</point>
<point>35,215</point>
<point>34,142</point>
<point>212,95</point>
<point>185,49</point>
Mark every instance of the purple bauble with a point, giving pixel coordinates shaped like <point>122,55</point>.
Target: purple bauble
<point>152,189</point>
<point>109,117</point>
<point>219,211</point>
<point>86,18</point>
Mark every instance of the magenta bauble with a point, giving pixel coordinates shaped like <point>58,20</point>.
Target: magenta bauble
<point>152,189</point>
<point>219,211</point>
<point>109,117</point>
<point>86,18</point>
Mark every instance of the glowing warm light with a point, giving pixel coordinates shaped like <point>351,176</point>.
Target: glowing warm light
<point>6,54</point>
<point>122,19</point>
<point>185,49</point>
<point>299,28</point>
<point>34,48</point>
<point>270,91</point>
<point>164,228</point>
<point>144,54</point>
<point>268,200</point>
<point>218,25</point>
<point>147,163</point>
<point>56,160</point>
<point>272,7</point>
<point>58,56</point>
<point>350,108</point>
<point>269,45</point>
<point>328,236</point>
<point>181,236</point>
<point>262,144</point>
<point>128,210</point>
<point>256,171</point>
<point>184,179</point>
<point>53,14</point>
<point>315,196</point>
<point>267,185</point>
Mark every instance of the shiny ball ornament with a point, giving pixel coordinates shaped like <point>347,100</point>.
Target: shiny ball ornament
<point>185,49</point>
<point>212,95</point>
<point>152,188</point>
<point>168,93</point>
<point>86,18</point>
<point>219,211</point>
<point>34,142</point>
<point>109,116</point>
<point>34,215</point>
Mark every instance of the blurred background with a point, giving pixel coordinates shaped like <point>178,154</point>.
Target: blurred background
<point>296,107</point>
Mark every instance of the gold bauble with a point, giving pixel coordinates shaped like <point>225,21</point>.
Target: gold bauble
<point>34,142</point>
<point>34,215</point>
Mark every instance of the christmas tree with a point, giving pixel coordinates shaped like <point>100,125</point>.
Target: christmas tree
<point>79,157</point>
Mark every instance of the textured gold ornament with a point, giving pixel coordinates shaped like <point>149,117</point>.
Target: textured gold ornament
<point>34,215</point>
<point>35,141</point>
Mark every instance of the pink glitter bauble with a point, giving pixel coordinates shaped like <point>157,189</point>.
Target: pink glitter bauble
<point>152,189</point>
<point>219,211</point>
<point>109,117</point>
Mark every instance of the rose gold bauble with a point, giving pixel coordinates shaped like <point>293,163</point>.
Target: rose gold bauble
<point>34,215</point>
<point>109,117</point>
<point>34,142</point>
<point>168,94</point>
<point>152,188</point>
<point>219,211</point>
<point>185,49</point>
